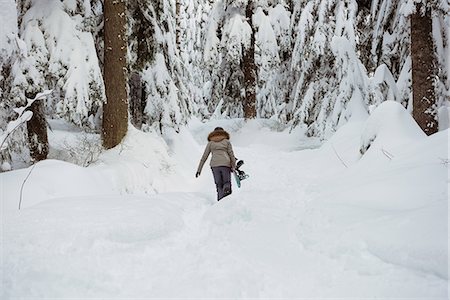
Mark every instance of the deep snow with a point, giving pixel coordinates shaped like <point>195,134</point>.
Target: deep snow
<point>312,221</point>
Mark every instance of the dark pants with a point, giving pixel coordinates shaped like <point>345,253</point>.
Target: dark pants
<point>222,179</point>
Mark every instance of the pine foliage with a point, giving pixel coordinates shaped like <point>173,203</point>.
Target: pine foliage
<point>59,36</point>
<point>155,56</point>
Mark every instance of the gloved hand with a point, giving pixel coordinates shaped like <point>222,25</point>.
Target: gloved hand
<point>197,174</point>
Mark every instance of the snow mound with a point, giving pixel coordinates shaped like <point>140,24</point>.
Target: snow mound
<point>396,211</point>
<point>50,179</point>
<point>144,163</point>
<point>341,150</point>
<point>389,126</point>
<point>140,164</point>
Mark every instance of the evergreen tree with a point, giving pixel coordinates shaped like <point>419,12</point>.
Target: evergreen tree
<point>59,36</point>
<point>273,51</point>
<point>330,80</point>
<point>155,58</point>
<point>140,45</point>
<point>392,40</point>
<point>14,65</point>
<point>28,80</point>
<point>193,31</point>
<point>423,66</point>
<point>115,110</point>
<point>249,68</point>
<point>389,33</point>
<point>230,58</point>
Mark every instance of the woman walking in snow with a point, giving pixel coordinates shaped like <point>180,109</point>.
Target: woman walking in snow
<point>222,162</point>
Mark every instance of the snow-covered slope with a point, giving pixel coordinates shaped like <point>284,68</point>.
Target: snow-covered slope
<point>309,222</point>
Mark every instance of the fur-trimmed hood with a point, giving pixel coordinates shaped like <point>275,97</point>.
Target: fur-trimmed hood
<point>218,135</point>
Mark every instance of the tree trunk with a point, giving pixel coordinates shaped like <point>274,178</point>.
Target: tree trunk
<point>364,21</point>
<point>364,4</point>
<point>291,6</point>
<point>137,96</point>
<point>178,22</point>
<point>37,132</point>
<point>423,75</point>
<point>115,110</point>
<point>249,69</point>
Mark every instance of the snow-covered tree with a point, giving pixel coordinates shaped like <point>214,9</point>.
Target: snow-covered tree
<point>21,81</point>
<point>234,29</point>
<point>140,41</point>
<point>228,35</point>
<point>317,63</point>
<point>28,77</point>
<point>272,55</point>
<point>12,83</point>
<point>391,44</point>
<point>59,36</point>
<point>327,70</point>
<point>193,16</point>
<point>371,63</point>
<point>154,58</point>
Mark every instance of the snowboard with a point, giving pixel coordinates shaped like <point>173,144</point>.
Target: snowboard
<point>239,175</point>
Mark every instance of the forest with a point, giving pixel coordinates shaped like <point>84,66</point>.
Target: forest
<point>302,63</point>
<point>125,126</point>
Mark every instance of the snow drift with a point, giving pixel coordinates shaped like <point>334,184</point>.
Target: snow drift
<point>303,225</point>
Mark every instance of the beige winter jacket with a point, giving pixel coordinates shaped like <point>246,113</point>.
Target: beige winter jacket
<point>222,151</point>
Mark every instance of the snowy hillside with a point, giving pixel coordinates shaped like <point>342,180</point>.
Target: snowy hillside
<point>312,221</point>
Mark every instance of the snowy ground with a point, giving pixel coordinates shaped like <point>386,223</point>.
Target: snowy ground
<point>138,224</point>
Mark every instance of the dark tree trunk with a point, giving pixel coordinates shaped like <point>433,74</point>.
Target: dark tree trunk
<point>365,36</point>
<point>178,21</point>
<point>364,4</point>
<point>137,100</point>
<point>115,110</point>
<point>249,69</point>
<point>423,74</point>
<point>291,6</point>
<point>37,132</point>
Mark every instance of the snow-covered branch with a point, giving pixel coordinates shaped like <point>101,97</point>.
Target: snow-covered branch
<point>24,116</point>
